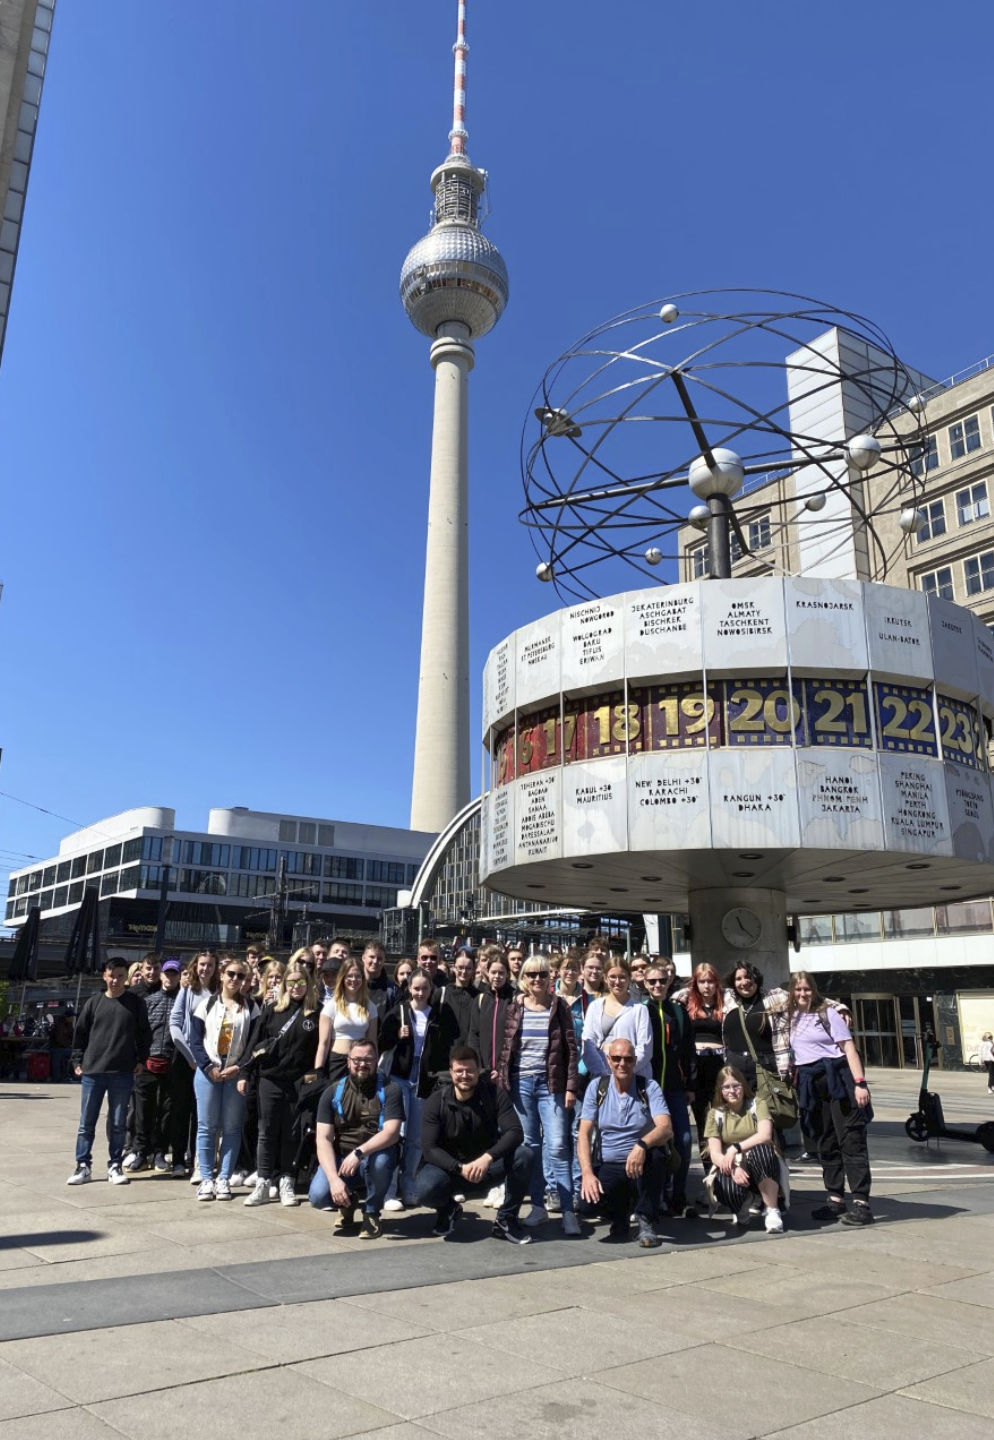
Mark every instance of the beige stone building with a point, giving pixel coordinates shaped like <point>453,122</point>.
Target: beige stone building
<point>901,970</point>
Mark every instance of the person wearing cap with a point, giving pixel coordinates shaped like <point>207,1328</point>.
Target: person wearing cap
<point>154,1083</point>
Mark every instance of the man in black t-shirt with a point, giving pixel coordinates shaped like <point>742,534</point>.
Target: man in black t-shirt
<point>358,1142</point>
<point>112,1044</point>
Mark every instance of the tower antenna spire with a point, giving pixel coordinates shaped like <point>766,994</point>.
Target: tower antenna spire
<point>454,288</point>
<point>458,135</point>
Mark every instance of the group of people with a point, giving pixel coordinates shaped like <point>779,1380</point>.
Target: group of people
<point>546,1085</point>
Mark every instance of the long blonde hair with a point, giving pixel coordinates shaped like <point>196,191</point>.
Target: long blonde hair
<point>342,1000</point>
<point>295,972</point>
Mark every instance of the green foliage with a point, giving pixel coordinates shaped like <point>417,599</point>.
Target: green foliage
<point>4,999</point>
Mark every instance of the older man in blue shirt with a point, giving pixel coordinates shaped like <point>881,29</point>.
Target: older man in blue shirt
<point>623,1171</point>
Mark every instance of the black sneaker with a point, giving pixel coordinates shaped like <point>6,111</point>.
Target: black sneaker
<point>860,1214</point>
<point>447,1220</point>
<point>806,1158</point>
<point>508,1229</point>
<point>833,1210</point>
<point>619,1234</point>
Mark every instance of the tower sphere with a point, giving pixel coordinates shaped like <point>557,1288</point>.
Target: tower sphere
<point>454,274</point>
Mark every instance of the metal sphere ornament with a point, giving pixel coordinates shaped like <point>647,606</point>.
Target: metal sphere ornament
<point>711,395</point>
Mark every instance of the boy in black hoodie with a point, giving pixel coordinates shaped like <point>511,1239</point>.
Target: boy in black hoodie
<point>112,1044</point>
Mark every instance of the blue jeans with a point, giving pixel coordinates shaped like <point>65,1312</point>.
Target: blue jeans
<point>220,1109</point>
<point>676,1103</point>
<point>375,1174</point>
<point>411,1149</point>
<point>546,1123</point>
<point>118,1089</point>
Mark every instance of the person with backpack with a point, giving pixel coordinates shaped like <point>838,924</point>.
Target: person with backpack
<point>358,1143</point>
<point>623,1126</point>
<point>744,1160</point>
<point>222,1031</point>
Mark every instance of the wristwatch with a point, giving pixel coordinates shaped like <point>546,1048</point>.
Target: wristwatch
<point>358,1151</point>
<point>641,1142</point>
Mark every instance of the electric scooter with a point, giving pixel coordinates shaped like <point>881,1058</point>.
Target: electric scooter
<point>928,1121</point>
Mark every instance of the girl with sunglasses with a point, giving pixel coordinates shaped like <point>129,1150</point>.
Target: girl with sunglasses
<point>221,1034</point>
<point>539,1065</point>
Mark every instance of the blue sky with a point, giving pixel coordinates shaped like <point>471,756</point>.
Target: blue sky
<point>216,416</point>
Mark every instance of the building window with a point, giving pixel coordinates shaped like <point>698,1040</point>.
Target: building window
<point>925,457</point>
<point>152,847</point>
<point>933,521</point>
<point>734,547</point>
<point>326,835</point>
<point>343,867</point>
<point>132,851</point>
<point>306,832</point>
<point>972,503</point>
<point>700,562</point>
<point>63,874</point>
<point>760,533</point>
<point>94,862</point>
<point>288,832</point>
<point>939,582</point>
<point>964,437</point>
<point>979,572</point>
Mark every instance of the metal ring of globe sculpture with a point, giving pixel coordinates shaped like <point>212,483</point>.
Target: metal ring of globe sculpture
<point>714,393</point>
<point>742,749</point>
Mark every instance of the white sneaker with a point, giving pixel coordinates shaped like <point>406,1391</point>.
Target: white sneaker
<point>238,1179</point>
<point>222,1189</point>
<point>253,1179</point>
<point>80,1176</point>
<point>495,1198</point>
<point>274,1190</point>
<point>571,1225</point>
<point>537,1215</point>
<point>286,1191</point>
<point>206,1191</point>
<point>773,1222</point>
<point>131,1160</point>
<point>116,1175</point>
<point>196,1177</point>
<point>259,1195</point>
<point>393,1205</point>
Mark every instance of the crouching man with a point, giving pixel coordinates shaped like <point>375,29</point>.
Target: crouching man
<point>358,1143</point>
<point>471,1139</point>
<point>628,1118</point>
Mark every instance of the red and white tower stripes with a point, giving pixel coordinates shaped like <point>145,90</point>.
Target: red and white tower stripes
<point>458,135</point>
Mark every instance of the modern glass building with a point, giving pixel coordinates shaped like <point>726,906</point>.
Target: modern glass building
<point>220,884</point>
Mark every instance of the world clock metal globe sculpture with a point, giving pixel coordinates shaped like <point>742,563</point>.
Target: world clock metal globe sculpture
<point>705,396</point>
<point>793,741</point>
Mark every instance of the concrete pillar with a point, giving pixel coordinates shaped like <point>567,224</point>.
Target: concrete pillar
<point>441,785</point>
<point>719,918</point>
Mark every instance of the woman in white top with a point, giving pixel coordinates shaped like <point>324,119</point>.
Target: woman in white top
<point>348,1016</point>
<point>221,1032</point>
<point>618,1015</point>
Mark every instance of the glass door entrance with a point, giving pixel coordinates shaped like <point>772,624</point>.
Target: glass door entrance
<point>889,1028</point>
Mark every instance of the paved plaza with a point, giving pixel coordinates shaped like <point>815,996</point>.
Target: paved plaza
<point>135,1311</point>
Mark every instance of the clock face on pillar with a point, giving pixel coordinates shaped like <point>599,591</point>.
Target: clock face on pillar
<point>741,927</point>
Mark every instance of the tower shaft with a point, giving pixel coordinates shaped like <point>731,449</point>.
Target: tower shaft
<point>441,784</point>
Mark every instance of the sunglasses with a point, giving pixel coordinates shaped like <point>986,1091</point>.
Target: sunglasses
<point>621,1059</point>
<point>236,974</point>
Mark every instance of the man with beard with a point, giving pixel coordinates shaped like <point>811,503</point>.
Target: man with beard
<point>358,1143</point>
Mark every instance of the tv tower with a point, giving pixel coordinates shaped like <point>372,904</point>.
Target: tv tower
<point>454,288</point>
